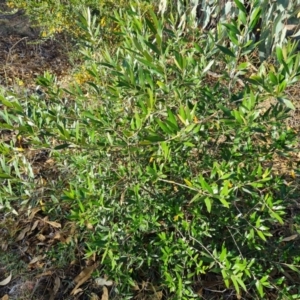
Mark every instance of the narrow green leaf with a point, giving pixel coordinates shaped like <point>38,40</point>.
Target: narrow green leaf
<point>205,185</point>
<point>196,197</point>
<point>110,139</point>
<point>287,102</point>
<point>273,78</point>
<point>207,68</point>
<point>163,126</point>
<point>182,113</point>
<point>232,28</point>
<point>233,38</point>
<point>240,6</point>
<point>153,48</point>
<point>151,26</point>
<point>138,121</point>
<point>259,288</point>
<point>279,54</point>
<point>241,283</point>
<point>255,15</point>
<point>96,88</point>
<point>6,102</point>
<point>152,139</point>
<point>5,176</point>
<point>171,118</point>
<point>236,286</point>
<point>261,235</point>
<point>157,23</point>
<point>226,50</point>
<point>223,201</point>
<point>277,217</point>
<point>62,146</point>
<point>91,116</point>
<point>225,278</point>
<point>207,202</point>
<point>243,17</point>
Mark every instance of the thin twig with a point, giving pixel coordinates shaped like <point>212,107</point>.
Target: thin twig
<point>9,52</point>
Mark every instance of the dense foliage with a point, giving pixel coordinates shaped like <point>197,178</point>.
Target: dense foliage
<point>166,171</point>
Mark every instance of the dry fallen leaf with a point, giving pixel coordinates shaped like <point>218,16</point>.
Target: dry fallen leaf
<point>47,273</point>
<point>33,212</point>
<point>56,285</point>
<point>76,291</point>
<point>57,236</point>
<point>36,259</point>
<point>158,295</point>
<point>89,225</point>
<point>6,280</point>
<point>105,293</point>
<point>83,277</point>
<point>22,233</point>
<point>94,297</point>
<point>35,224</point>
<point>289,238</point>
<point>102,281</point>
<point>53,224</point>
<point>41,237</point>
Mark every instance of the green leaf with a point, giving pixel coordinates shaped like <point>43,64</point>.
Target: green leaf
<point>96,88</point>
<point>240,6</point>
<point>243,66</point>
<point>232,28</point>
<point>255,15</point>
<point>205,186</point>
<point>223,201</point>
<point>277,217</point>
<point>287,102</point>
<point>182,114</point>
<point>138,121</point>
<point>233,38</point>
<point>207,68</point>
<point>226,50</point>
<point>234,281</point>
<point>163,126</point>
<point>110,139</point>
<point>292,267</point>
<point>261,235</point>
<point>62,146</point>
<point>238,116</point>
<point>279,54</point>
<point>5,176</point>
<point>151,139</point>
<point>243,17</point>
<point>273,78</point>
<point>259,288</point>
<point>153,48</point>
<point>91,116</point>
<point>157,24</point>
<point>223,254</point>
<point>225,278</point>
<point>241,283</point>
<point>196,197</point>
<point>171,118</point>
<point>180,61</point>
<point>207,202</point>
<point>6,102</point>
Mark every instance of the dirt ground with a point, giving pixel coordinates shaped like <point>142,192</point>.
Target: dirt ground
<point>24,55</point>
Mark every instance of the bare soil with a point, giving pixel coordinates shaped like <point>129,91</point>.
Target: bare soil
<point>24,55</point>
